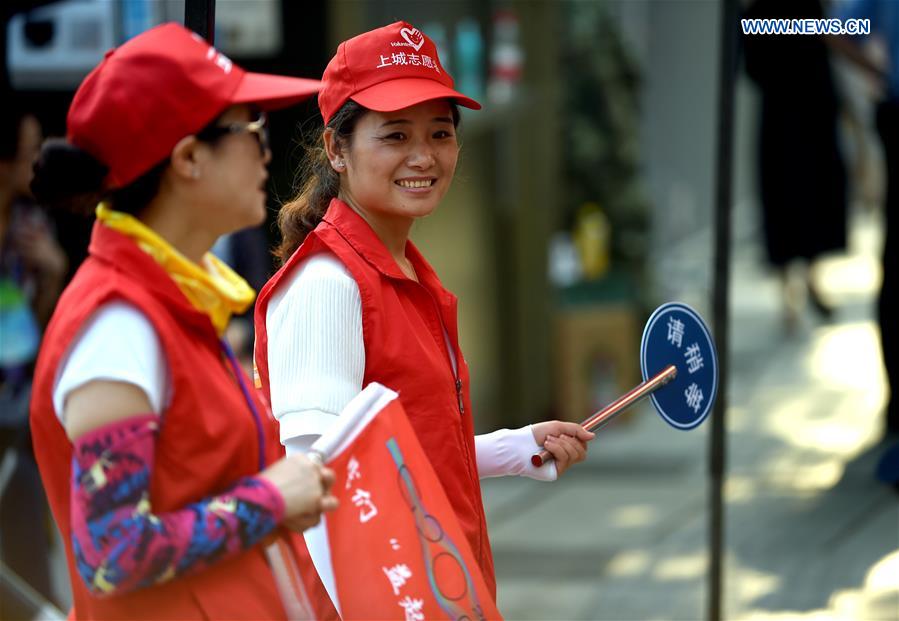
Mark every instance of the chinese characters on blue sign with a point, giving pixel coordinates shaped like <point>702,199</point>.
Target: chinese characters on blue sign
<point>676,334</point>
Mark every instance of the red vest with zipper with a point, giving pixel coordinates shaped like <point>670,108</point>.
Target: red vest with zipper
<point>208,439</point>
<point>403,325</point>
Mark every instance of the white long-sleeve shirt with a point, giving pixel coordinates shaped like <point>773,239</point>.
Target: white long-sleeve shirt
<point>316,360</point>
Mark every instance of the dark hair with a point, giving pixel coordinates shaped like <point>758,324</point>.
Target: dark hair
<point>319,183</point>
<point>67,177</point>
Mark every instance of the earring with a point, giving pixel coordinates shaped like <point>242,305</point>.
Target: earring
<point>195,173</point>
<point>340,164</point>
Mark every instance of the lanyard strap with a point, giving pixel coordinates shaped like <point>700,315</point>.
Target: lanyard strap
<point>283,564</point>
<point>238,373</point>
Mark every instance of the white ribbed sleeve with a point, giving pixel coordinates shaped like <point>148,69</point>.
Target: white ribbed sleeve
<point>316,359</point>
<point>316,354</point>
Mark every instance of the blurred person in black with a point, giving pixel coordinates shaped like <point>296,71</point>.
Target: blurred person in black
<point>32,272</point>
<point>884,20</point>
<point>802,176</point>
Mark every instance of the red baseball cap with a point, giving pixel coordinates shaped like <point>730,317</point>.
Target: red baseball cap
<point>387,69</point>
<point>157,88</point>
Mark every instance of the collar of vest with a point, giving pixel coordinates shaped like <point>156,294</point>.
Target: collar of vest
<point>122,254</point>
<point>358,234</point>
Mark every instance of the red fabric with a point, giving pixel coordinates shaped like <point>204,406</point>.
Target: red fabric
<point>387,69</point>
<point>414,559</point>
<point>405,350</point>
<point>206,442</point>
<point>162,85</point>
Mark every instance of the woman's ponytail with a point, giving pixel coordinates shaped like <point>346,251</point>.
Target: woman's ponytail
<point>319,183</point>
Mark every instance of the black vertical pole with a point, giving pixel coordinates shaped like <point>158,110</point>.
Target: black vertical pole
<point>718,437</point>
<point>199,16</point>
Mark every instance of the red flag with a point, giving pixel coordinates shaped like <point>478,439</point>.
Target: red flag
<point>397,550</point>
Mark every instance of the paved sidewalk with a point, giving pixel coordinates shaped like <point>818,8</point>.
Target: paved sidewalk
<point>809,533</point>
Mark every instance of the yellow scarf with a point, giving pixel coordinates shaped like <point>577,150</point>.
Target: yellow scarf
<point>212,288</point>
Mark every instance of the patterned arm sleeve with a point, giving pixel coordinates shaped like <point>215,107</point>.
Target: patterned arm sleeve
<point>119,543</point>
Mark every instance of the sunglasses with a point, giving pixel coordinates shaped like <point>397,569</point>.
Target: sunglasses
<point>258,128</point>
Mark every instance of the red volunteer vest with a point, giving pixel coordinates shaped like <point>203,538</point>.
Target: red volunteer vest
<point>208,439</point>
<point>403,324</point>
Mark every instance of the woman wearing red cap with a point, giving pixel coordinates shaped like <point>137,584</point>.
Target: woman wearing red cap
<point>163,470</point>
<point>356,302</point>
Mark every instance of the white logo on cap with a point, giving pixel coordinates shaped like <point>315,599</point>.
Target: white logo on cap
<point>222,61</point>
<point>413,37</point>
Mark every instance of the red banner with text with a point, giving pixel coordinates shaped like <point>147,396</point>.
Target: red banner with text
<point>397,550</point>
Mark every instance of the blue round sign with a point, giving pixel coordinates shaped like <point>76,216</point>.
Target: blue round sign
<point>676,334</point>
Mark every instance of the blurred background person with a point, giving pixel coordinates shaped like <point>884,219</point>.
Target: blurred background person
<point>802,177</point>
<point>884,16</point>
<point>32,272</point>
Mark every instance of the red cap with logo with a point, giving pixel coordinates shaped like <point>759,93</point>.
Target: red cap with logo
<point>157,88</point>
<point>387,69</point>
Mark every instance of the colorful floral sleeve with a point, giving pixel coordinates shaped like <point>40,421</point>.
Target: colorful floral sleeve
<point>121,545</point>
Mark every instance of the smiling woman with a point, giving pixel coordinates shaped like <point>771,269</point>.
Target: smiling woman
<point>397,168</point>
<point>401,163</point>
<point>356,302</point>
<point>359,145</point>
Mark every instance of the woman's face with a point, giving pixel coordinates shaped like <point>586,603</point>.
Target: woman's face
<point>233,177</point>
<point>400,164</point>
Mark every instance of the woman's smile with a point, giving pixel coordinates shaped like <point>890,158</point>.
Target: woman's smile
<point>417,185</point>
